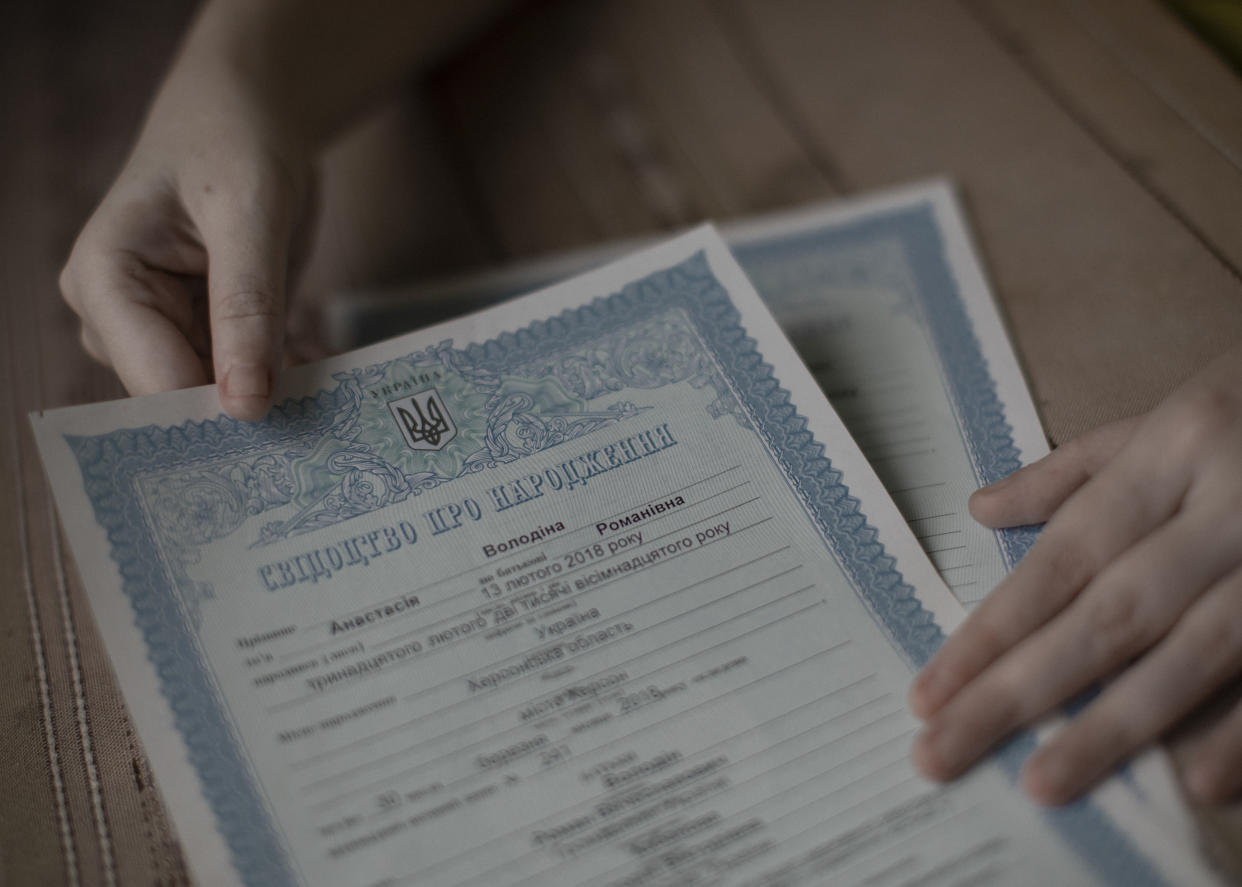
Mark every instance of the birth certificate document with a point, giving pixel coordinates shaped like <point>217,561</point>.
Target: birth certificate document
<point>592,588</point>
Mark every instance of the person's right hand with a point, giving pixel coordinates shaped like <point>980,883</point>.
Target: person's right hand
<point>180,275</point>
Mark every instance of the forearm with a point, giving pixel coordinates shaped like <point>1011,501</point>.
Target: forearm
<point>310,66</point>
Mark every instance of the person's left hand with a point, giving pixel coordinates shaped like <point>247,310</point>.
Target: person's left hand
<point>1139,570</point>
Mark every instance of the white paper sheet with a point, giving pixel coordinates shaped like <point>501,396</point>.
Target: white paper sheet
<point>593,588</point>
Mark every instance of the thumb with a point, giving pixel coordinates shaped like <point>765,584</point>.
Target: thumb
<point>247,243</point>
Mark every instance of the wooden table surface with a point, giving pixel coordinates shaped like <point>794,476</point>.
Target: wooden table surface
<point>1097,145</point>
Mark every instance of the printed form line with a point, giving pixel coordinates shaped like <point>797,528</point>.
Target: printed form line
<point>423,656</point>
<point>491,739</point>
<point>702,754</point>
<point>518,557</point>
<point>434,714</point>
<point>723,695</point>
<point>324,780</point>
<point>750,809</point>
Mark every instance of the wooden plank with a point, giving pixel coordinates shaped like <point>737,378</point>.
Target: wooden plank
<point>1151,40</point>
<point>1115,93</point>
<point>77,815</point>
<point>390,206</point>
<point>497,129</point>
<point>43,760</point>
<point>1112,297</point>
<point>710,109</point>
<point>26,769</point>
<point>604,149</point>
<point>574,123</point>
<point>572,169</point>
<point>621,125</point>
<point>1112,300</point>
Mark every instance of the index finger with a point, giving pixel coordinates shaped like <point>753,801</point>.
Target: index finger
<point>1103,518</point>
<point>132,323</point>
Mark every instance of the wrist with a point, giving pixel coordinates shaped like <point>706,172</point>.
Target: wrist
<point>238,67</point>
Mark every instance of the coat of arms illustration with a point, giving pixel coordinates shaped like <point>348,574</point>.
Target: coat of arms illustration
<point>424,420</point>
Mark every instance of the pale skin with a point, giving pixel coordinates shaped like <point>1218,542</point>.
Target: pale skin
<point>1138,573</point>
<point>182,275</point>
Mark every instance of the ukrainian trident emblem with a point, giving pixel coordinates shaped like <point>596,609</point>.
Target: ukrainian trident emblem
<point>424,420</point>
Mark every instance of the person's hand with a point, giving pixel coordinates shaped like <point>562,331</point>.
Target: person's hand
<point>1138,573</point>
<point>180,275</point>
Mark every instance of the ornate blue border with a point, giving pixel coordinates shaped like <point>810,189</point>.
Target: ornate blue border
<point>993,454</point>
<point>981,413</point>
<point>111,465</point>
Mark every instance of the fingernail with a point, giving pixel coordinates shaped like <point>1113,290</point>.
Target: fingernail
<point>997,485</point>
<point>248,380</point>
<point>924,755</point>
<point>928,691</point>
<point>1046,779</point>
<point>917,697</point>
<point>938,752</point>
